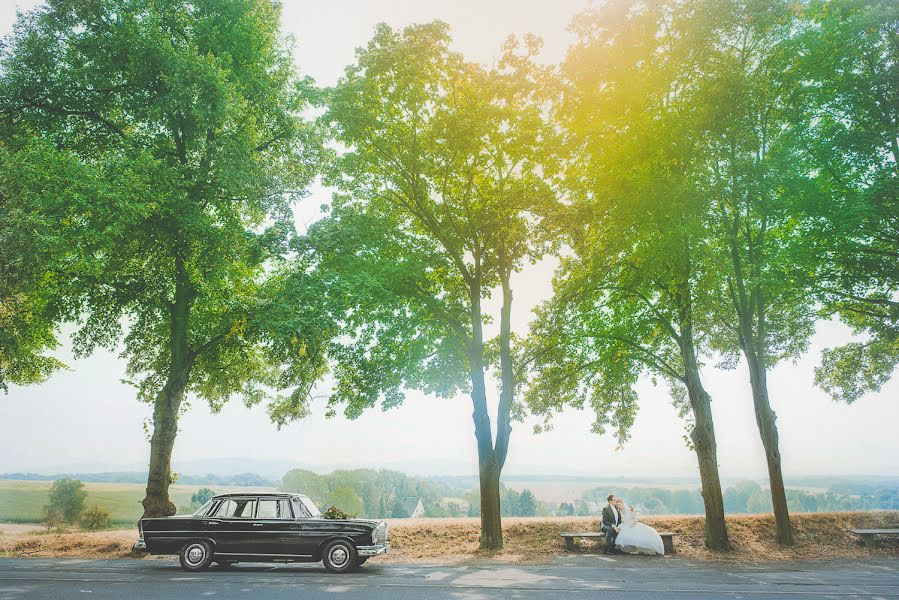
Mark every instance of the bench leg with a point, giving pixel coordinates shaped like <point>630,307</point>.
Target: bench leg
<point>569,544</point>
<point>668,544</point>
<point>868,540</point>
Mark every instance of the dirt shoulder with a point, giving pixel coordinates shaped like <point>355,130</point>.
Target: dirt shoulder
<point>531,540</point>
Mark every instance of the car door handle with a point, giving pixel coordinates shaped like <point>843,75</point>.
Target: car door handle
<point>258,524</point>
<point>210,522</point>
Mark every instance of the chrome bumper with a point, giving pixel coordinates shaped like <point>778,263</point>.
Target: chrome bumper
<point>140,545</point>
<point>373,550</point>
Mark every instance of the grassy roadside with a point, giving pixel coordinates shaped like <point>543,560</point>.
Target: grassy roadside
<point>535,540</point>
<point>23,501</point>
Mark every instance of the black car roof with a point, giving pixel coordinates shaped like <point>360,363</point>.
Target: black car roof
<point>258,495</point>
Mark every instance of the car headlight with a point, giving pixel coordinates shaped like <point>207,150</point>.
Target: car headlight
<point>379,535</point>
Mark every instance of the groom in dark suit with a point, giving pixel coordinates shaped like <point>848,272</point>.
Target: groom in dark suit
<point>611,522</point>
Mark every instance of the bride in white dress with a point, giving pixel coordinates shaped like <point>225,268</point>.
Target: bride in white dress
<point>635,537</point>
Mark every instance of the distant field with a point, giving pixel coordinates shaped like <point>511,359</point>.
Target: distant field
<point>23,501</point>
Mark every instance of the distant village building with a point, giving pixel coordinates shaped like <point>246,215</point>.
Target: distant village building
<point>414,507</point>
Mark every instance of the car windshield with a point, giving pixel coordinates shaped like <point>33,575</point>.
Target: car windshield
<point>203,509</point>
<point>310,506</point>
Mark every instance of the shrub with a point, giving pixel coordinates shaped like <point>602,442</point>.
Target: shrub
<point>67,496</point>
<point>202,496</point>
<point>52,517</point>
<point>95,517</point>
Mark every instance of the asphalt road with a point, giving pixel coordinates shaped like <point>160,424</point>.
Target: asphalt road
<point>631,578</point>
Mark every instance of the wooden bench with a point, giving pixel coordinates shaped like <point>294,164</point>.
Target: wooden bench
<point>668,541</point>
<point>570,536</point>
<point>869,536</point>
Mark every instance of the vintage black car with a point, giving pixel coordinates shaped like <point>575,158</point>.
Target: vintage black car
<point>233,528</point>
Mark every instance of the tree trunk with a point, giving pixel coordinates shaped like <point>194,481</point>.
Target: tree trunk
<point>703,433</point>
<point>767,424</point>
<point>165,428</point>
<point>752,334</point>
<point>168,402</point>
<point>507,375</point>
<point>491,520</point>
<point>703,438</point>
<point>492,467</point>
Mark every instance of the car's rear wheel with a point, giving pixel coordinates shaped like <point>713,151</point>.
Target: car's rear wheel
<point>339,556</point>
<point>195,556</point>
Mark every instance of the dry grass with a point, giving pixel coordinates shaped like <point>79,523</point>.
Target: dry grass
<point>95,544</point>
<point>819,535</point>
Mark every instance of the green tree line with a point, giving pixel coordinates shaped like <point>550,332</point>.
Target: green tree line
<point>383,494</point>
<point>713,176</point>
<point>367,492</point>
<point>743,497</point>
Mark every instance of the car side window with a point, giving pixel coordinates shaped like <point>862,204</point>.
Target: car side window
<point>239,508</point>
<point>273,508</point>
<point>299,510</point>
<point>225,508</point>
<point>247,511</point>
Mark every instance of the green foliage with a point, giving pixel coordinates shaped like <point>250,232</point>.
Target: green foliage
<point>27,288</point>
<point>749,497</point>
<point>399,510</point>
<point>751,173</point>
<point>52,517</point>
<point>95,517</point>
<point>440,191</point>
<point>368,493</point>
<point>163,147</point>
<point>527,504</point>
<point>846,96</point>
<point>347,499</point>
<point>160,157</point>
<point>202,496</point>
<point>512,502</point>
<point>566,509</point>
<point>736,497</point>
<point>631,296</point>
<point>67,496</point>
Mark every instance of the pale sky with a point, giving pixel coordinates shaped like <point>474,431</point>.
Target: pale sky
<point>85,419</point>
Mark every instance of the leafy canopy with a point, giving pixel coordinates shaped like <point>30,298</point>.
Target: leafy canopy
<point>159,147</point>
<point>438,191</point>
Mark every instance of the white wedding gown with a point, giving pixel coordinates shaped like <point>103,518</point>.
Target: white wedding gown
<point>636,537</point>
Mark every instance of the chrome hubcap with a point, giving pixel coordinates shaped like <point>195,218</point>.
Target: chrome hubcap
<point>195,555</point>
<point>339,556</point>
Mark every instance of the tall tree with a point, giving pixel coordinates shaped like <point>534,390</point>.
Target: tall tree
<point>634,296</point>
<point>756,184</point>
<point>441,189</point>
<point>845,81</point>
<point>174,149</point>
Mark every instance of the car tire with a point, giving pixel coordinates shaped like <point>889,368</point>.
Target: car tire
<point>339,556</point>
<point>195,556</point>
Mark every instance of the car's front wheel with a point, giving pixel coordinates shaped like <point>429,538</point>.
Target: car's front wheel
<point>195,556</point>
<point>339,556</point>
